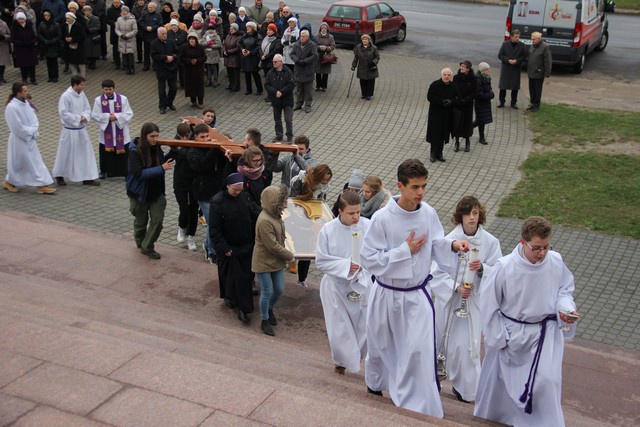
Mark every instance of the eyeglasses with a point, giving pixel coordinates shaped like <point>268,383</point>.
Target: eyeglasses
<point>539,249</point>
<point>257,160</point>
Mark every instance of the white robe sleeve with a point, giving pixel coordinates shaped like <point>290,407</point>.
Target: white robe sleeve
<point>493,328</point>
<point>124,118</point>
<point>101,119</point>
<point>65,108</point>
<point>565,300</point>
<point>331,264</point>
<point>17,126</point>
<point>86,108</point>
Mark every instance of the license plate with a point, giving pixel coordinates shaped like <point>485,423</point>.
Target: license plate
<point>342,25</point>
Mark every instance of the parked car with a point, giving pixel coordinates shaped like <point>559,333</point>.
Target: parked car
<point>349,19</point>
<point>572,28</point>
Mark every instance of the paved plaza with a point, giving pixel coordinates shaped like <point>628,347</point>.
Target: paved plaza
<point>349,133</point>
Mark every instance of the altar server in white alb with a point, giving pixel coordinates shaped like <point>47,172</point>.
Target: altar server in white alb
<point>75,159</point>
<point>459,337</point>
<point>24,162</point>
<point>527,312</point>
<point>112,113</point>
<point>403,238</point>
<point>345,284</point>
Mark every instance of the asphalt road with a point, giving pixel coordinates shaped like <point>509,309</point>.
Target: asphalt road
<point>453,31</point>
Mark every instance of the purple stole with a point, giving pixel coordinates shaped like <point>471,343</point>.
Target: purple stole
<point>108,132</point>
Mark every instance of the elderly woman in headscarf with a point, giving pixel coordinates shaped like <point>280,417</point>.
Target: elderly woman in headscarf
<point>25,8</point>
<point>326,44</point>
<point>269,47</point>
<point>365,59</point>
<point>126,30</point>
<point>231,54</point>
<point>198,27</point>
<point>217,23</point>
<point>242,19</point>
<point>25,49</point>
<point>49,36</point>
<point>73,35</point>
<point>193,58</point>
<point>92,40</point>
<point>250,59</point>
<point>289,37</point>
<point>484,95</point>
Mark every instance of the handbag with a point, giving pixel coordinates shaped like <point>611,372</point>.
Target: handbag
<point>97,38</point>
<point>373,67</point>
<point>328,58</point>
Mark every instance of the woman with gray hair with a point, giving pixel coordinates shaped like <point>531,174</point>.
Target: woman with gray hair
<point>484,95</point>
<point>231,55</point>
<point>326,45</point>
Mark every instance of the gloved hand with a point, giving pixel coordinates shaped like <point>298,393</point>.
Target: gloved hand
<point>353,68</point>
<point>300,62</point>
<point>447,103</point>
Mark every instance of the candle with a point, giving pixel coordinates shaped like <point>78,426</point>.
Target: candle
<point>468,274</point>
<point>356,244</point>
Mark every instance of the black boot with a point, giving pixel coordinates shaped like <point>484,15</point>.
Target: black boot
<point>456,146</point>
<point>2,68</point>
<point>467,145</point>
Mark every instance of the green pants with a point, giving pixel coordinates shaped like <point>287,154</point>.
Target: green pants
<point>151,213</point>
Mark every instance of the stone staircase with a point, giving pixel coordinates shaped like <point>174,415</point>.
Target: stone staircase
<point>95,333</point>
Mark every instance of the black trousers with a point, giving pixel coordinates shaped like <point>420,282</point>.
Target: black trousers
<point>139,44</point>
<point>503,96</point>
<point>188,206</point>
<point>147,53</point>
<point>322,80</point>
<point>303,270</point>
<point>288,120</point>
<point>256,78</point>
<point>234,78</point>
<point>116,54</point>
<point>367,87</point>
<point>436,149</point>
<point>535,91</point>
<point>52,68</point>
<point>28,72</point>
<point>166,98</point>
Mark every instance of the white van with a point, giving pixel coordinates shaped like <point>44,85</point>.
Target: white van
<point>572,28</point>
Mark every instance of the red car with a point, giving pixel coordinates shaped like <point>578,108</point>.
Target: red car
<point>349,19</point>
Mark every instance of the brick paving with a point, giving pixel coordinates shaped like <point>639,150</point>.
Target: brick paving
<point>349,133</point>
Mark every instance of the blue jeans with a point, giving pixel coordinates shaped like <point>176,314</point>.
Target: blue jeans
<point>271,287</point>
<point>204,207</point>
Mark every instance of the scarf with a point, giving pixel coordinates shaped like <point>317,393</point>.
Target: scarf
<point>251,173</point>
<point>108,132</point>
<point>373,204</point>
<point>266,44</point>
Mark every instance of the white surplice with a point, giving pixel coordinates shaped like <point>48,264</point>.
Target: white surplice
<point>24,162</point>
<point>345,319</point>
<point>75,158</point>
<point>122,119</point>
<point>526,292</point>
<point>463,345</point>
<point>400,325</point>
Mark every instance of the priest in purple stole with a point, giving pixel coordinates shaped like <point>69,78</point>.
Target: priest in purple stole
<point>112,113</point>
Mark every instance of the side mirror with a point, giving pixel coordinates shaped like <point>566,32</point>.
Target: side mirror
<point>395,13</point>
<point>610,7</point>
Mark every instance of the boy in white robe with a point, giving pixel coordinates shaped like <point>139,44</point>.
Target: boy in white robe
<point>344,286</point>
<point>527,296</point>
<point>24,162</point>
<point>112,113</point>
<point>458,337</point>
<point>75,158</point>
<point>398,249</point>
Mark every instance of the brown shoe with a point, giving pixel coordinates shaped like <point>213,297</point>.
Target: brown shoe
<point>60,181</point>
<point>46,190</point>
<point>339,369</point>
<point>91,182</point>
<point>10,187</point>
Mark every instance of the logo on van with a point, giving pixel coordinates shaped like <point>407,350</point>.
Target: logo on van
<point>556,13</point>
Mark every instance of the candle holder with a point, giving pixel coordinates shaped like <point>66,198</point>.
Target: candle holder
<point>566,327</point>
<point>463,312</point>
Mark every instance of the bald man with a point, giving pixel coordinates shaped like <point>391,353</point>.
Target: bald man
<point>165,62</point>
<point>538,67</point>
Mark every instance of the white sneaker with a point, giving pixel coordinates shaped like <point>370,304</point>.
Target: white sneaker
<point>191,243</point>
<point>303,284</point>
<point>182,235</point>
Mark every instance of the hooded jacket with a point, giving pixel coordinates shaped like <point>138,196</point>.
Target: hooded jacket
<point>269,252</point>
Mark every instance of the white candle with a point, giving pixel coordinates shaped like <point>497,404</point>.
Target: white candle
<point>356,244</point>
<point>468,274</point>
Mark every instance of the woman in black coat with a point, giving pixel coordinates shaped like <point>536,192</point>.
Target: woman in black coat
<point>443,96</point>
<point>49,37</point>
<point>484,95</point>
<point>73,35</point>
<point>193,58</point>
<point>250,57</point>
<point>465,81</point>
<point>365,59</point>
<point>25,47</point>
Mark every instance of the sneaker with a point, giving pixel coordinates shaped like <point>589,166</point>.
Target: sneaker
<point>10,187</point>
<point>339,369</point>
<point>213,259</point>
<point>206,253</point>
<point>303,283</point>
<point>150,253</point>
<point>191,243</point>
<point>182,235</point>
<point>46,190</point>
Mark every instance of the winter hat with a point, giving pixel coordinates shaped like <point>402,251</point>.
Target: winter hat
<point>192,34</point>
<point>234,26</point>
<point>242,9</point>
<point>70,15</point>
<point>74,5</point>
<point>272,27</point>
<point>211,25</point>
<point>234,178</point>
<point>467,63</point>
<point>198,17</point>
<point>87,7</point>
<point>324,25</point>
<point>294,19</point>
<point>483,66</point>
<point>174,22</point>
<point>252,24</point>
<point>21,15</point>
<point>213,13</point>
<point>355,181</point>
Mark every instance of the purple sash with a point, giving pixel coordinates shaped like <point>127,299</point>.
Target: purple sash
<point>423,286</point>
<point>527,395</point>
<point>108,132</point>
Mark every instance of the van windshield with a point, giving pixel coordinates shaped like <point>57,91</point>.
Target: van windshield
<point>344,12</point>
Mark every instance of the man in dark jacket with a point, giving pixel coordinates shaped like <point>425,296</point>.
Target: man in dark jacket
<point>279,84</point>
<point>511,55</point>
<point>148,25</point>
<point>165,63</point>
<point>305,56</point>
<point>443,96</point>
<point>538,67</point>
<point>232,221</point>
<point>113,13</point>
